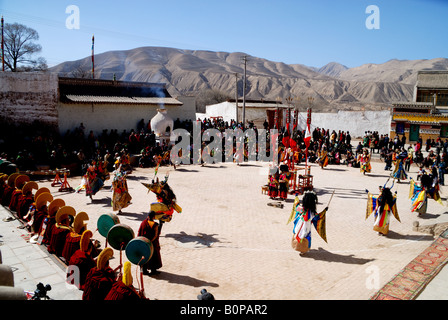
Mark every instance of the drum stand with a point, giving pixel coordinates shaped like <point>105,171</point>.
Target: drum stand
<point>64,184</point>
<point>142,290</point>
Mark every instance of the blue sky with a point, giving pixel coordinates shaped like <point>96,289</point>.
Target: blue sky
<point>309,32</point>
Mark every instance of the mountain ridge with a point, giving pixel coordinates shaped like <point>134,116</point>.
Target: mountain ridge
<point>187,72</point>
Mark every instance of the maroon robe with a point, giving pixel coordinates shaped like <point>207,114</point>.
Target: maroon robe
<point>72,243</point>
<point>120,291</point>
<point>23,205</point>
<point>57,242</point>
<point>14,199</point>
<point>7,193</point>
<point>84,262</point>
<point>98,283</point>
<point>39,216</point>
<point>2,189</point>
<point>149,230</point>
<point>48,230</point>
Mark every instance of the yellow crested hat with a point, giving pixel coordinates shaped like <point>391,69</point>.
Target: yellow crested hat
<point>43,199</point>
<point>85,240</point>
<point>30,185</point>
<point>103,258</point>
<point>54,206</point>
<point>79,223</point>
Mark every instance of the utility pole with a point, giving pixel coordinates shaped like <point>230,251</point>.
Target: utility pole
<point>236,98</point>
<point>3,46</point>
<point>244,92</point>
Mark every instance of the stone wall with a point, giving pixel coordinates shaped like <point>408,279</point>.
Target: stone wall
<point>29,97</point>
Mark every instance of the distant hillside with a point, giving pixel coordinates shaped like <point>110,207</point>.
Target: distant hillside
<point>188,72</point>
<point>332,69</point>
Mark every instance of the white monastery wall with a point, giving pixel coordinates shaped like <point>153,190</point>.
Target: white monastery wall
<point>356,122</point>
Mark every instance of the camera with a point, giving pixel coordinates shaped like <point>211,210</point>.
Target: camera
<point>41,291</point>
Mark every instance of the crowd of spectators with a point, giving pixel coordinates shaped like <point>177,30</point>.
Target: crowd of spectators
<point>33,146</point>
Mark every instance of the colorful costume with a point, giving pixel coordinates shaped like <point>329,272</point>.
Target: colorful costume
<point>420,192</point>
<point>304,216</point>
<point>283,186</point>
<point>364,162</point>
<point>273,185</point>
<point>93,182</point>
<point>382,206</point>
<point>323,158</point>
<point>399,172</point>
<point>120,197</point>
<point>166,200</point>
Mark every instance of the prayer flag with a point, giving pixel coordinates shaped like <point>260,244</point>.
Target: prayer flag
<point>93,54</point>
<point>307,138</point>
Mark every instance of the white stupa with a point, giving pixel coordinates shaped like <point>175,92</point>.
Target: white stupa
<point>160,124</point>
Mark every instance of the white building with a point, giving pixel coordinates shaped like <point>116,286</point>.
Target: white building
<point>356,122</point>
<point>64,103</point>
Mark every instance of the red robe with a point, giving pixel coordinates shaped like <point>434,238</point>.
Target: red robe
<point>6,198</point>
<point>57,242</point>
<point>14,199</point>
<point>120,291</point>
<point>23,205</point>
<point>84,262</point>
<point>98,283</point>
<point>39,216</point>
<point>72,243</point>
<point>148,230</point>
<point>48,230</point>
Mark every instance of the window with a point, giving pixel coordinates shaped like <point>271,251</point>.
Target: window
<point>399,128</point>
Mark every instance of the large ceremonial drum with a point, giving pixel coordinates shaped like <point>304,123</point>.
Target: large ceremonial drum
<point>139,250</point>
<point>105,222</point>
<point>119,236</point>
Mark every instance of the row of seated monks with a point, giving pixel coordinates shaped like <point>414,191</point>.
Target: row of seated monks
<point>64,232</point>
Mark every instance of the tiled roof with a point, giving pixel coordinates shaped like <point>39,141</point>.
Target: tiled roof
<point>73,90</point>
<point>125,100</point>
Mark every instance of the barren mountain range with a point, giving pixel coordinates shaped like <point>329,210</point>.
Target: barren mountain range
<point>188,72</point>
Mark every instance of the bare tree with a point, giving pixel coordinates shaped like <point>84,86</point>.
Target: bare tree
<point>210,96</point>
<point>20,48</point>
